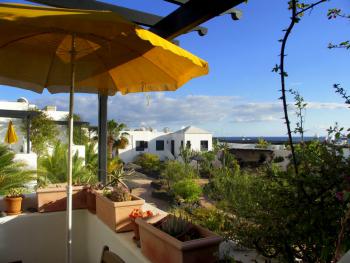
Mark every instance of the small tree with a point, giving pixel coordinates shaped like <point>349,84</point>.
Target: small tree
<point>80,136</point>
<point>300,106</point>
<point>115,140</point>
<point>43,132</point>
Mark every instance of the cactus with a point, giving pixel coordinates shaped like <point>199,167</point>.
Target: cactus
<point>175,225</point>
<point>118,194</point>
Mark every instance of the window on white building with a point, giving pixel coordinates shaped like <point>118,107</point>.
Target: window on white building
<point>160,145</point>
<point>141,145</point>
<point>188,144</point>
<point>204,146</point>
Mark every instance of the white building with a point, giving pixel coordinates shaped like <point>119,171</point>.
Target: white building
<point>20,148</point>
<point>165,144</point>
<point>21,105</point>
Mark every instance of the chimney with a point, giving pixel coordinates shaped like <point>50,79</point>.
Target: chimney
<point>50,108</point>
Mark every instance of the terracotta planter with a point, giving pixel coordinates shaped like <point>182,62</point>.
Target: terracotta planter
<point>54,198</point>
<point>135,226</point>
<point>116,214</point>
<point>13,205</point>
<point>160,247</point>
<point>91,200</point>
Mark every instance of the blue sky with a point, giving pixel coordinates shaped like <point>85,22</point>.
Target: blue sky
<point>239,96</point>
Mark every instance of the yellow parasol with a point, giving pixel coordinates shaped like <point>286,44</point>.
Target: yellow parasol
<point>11,136</point>
<point>110,54</point>
<point>67,50</point>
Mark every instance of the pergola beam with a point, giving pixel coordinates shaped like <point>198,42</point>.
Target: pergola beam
<point>135,16</point>
<point>235,13</point>
<point>190,15</point>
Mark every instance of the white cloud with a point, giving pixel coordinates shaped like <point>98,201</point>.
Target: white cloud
<point>159,110</point>
<point>327,105</point>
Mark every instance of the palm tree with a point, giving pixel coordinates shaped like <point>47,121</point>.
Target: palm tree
<point>53,168</point>
<point>12,174</point>
<point>91,157</point>
<point>115,140</point>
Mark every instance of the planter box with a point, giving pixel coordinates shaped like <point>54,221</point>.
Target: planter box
<point>160,247</point>
<point>54,198</point>
<point>91,200</point>
<point>116,214</point>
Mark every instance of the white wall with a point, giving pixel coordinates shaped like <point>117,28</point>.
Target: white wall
<point>178,137</point>
<point>41,237</point>
<point>196,141</point>
<point>129,153</point>
<point>6,105</point>
<point>30,161</point>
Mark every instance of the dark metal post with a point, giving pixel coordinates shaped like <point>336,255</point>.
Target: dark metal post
<point>102,138</point>
<point>28,134</point>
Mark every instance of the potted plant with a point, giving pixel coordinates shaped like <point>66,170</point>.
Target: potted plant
<point>13,201</point>
<point>14,176</point>
<point>52,192</point>
<point>138,213</point>
<point>113,207</point>
<point>53,198</point>
<point>90,192</point>
<point>175,240</point>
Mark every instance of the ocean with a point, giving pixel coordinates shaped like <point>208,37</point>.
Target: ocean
<point>272,140</point>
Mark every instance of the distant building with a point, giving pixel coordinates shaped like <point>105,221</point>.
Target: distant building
<point>165,144</point>
<point>22,105</point>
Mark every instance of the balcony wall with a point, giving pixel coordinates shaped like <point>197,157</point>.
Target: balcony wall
<point>41,237</point>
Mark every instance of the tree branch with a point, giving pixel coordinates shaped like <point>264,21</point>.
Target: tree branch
<point>309,7</point>
<point>283,82</point>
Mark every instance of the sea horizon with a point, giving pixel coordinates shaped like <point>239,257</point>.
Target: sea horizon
<point>270,139</point>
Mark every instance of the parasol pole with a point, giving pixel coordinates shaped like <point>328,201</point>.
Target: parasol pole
<point>70,153</point>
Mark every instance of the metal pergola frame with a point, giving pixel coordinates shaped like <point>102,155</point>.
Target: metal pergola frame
<point>186,18</point>
<point>27,115</point>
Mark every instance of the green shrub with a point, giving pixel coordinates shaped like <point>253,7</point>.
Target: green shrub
<point>262,144</point>
<point>150,163</point>
<point>163,194</point>
<point>187,190</point>
<point>91,157</point>
<point>210,218</point>
<point>278,159</point>
<point>285,215</point>
<point>54,168</point>
<point>158,184</point>
<point>206,164</point>
<point>175,171</point>
<point>13,174</point>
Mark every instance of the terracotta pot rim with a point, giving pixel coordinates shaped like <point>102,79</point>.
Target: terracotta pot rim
<point>14,198</point>
<point>59,188</point>
<point>137,200</point>
<point>209,239</point>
